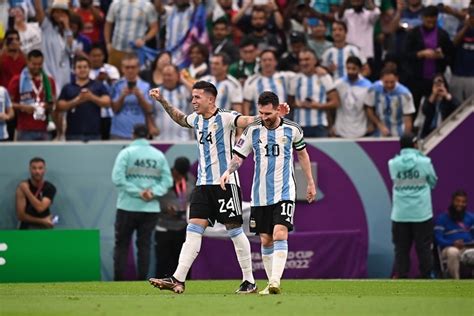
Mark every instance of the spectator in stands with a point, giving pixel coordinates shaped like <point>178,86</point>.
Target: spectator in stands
<point>6,113</point>
<point>221,42</point>
<point>33,96</point>
<point>57,45</point>
<point>81,45</point>
<point>108,75</point>
<point>451,14</point>
<point>180,97</point>
<point>454,232</point>
<point>34,198</point>
<point>154,75</point>
<point>249,62</point>
<point>199,56</point>
<point>289,60</point>
<point>229,89</point>
<point>137,26</point>
<point>268,17</point>
<point>438,106</point>
<point>389,105</point>
<point>170,231</point>
<point>141,174</point>
<point>314,95</point>
<point>462,81</point>
<point>260,34</point>
<point>30,33</point>
<point>268,79</point>
<point>317,39</point>
<point>92,18</point>
<point>334,58</point>
<point>428,52</point>
<point>413,179</point>
<point>12,62</point>
<point>130,100</point>
<point>351,118</point>
<point>82,99</point>
<point>360,23</point>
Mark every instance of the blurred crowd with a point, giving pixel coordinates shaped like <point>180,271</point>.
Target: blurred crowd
<point>82,69</point>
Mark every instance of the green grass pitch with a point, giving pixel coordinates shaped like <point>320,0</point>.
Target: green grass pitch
<point>299,297</point>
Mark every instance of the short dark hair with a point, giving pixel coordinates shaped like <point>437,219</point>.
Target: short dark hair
<point>268,97</point>
<point>248,41</point>
<point>140,131</point>
<point>341,23</point>
<point>79,58</point>
<point>35,53</point>
<point>130,56</point>
<point>225,58</point>
<point>459,192</point>
<point>354,60</point>
<point>181,165</point>
<point>221,20</point>
<point>388,71</point>
<point>10,32</point>
<point>98,46</point>
<point>271,51</point>
<point>430,11</point>
<point>206,86</point>
<point>37,159</point>
<point>408,140</point>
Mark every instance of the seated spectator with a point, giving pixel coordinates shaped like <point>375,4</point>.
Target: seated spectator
<point>82,99</point>
<point>221,42</point>
<point>389,106</point>
<point>179,96</point>
<point>6,113</point>
<point>229,90</point>
<point>289,60</point>
<point>130,101</point>
<point>92,18</point>
<point>108,75</point>
<point>199,55</point>
<point>317,39</point>
<point>154,75</point>
<point>334,58</point>
<point>249,62</point>
<point>454,232</point>
<point>314,95</point>
<point>360,23</point>
<point>438,106</point>
<point>33,96</point>
<point>34,198</point>
<point>170,231</point>
<point>351,118</point>
<point>30,33</point>
<point>462,81</point>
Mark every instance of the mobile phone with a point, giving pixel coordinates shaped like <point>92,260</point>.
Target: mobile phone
<point>131,84</point>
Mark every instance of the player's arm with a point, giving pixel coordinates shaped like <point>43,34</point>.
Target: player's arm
<point>235,164</point>
<point>305,163</point>
<point>243,121</point>
<point>175,114</point>
<point>39,205</point>
<point>25,217</point>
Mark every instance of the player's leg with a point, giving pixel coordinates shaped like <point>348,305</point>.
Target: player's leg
<point>266,241</point>
<point>280,254</point>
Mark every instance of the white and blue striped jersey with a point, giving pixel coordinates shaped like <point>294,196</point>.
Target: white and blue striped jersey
<point>169,130</point>
<point>313,87</point>
<point>390,106</point>
<point>351,119</point>
<point>338,57</point>
<point>229,91</point>
<point>273,179</point>
<point>131,21</point>
<point>5,104</point>
<point>177,26</point>
<point>215,139</point>
<point>278,83</point>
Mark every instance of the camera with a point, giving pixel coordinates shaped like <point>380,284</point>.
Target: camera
<point>131,84</point>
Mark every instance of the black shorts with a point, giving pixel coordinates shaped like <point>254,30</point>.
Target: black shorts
<point>264,218</point>
<point>214,204</point>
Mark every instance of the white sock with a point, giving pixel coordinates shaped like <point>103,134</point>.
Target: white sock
<point>242,250</point>
<point>189,251</point>
<point>267,259</point>
<point>280,253</point>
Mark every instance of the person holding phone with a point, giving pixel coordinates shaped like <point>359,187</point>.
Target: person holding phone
<point>438,106</point>
<point>130,101</point>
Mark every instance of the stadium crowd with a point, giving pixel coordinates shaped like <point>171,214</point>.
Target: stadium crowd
<point>81,70</point>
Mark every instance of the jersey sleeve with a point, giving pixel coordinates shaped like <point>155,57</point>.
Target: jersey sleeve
<point>236,95</point>
<point>249,90</point>
<point>369,99</point>
<point>189,119</point>
<point>408,106</point>
<point>298,139</point>
<point>292,86</point>
<point>327,82</point>
<point>243,147</point>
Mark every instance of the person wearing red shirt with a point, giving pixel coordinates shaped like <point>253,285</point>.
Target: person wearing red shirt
<point>33,95</point>
<point>92,18</point>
